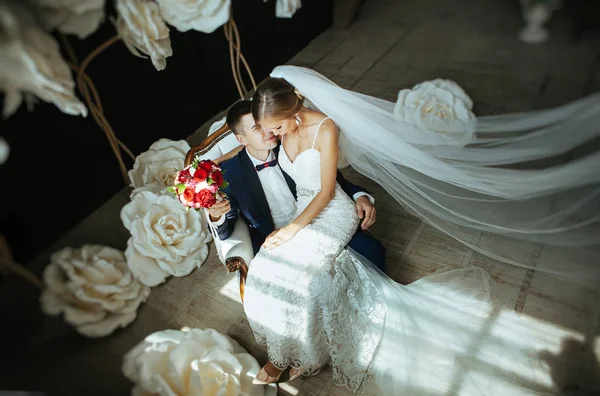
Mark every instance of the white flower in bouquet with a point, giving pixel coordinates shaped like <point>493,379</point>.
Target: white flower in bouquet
<point>78,17</point>
<point>195,362</point>
<point>93,288</point>
<point>440,106</point>
<point>287,8</point>
<point>143,31</point>
<point>202,15</point>
<point>166,240</point>
<point>154,170</point>
<point>4,150</point>
<point>31,63</point>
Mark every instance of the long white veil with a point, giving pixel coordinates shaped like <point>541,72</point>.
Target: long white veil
<point>511,175</point>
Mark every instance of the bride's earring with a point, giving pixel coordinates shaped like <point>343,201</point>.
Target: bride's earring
<point>298,120</point>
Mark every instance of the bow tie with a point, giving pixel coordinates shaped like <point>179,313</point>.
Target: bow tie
<point>265,165</point>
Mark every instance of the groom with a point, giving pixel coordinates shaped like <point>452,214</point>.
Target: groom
<point>265,196</point>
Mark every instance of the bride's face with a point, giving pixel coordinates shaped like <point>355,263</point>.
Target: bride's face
<point>279,127</point>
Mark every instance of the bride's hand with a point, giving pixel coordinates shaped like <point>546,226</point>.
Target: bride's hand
<point>279,237</point>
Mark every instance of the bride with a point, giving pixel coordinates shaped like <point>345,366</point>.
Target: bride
<point>313,302</point>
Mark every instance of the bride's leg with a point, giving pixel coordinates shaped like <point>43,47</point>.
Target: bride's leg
<point>272,370</point>
<point>282,303</point>
<point>268,374</point>
<point>296,372</point>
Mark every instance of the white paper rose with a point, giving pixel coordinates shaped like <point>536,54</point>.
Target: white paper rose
<point>453,87</point>
<point>4,151</point>
<point>287,8</point>
<point>196,362</point>
<point>31,63</point>
<point>78,17</point>
<point>143,31</point>
<point>202,15</point>
<point>166,238</point>
<point>154,170</point>
<point>94,289</point>
<point>440,106</point>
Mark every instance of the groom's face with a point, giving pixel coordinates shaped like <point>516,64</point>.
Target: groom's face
<point>252,135</point>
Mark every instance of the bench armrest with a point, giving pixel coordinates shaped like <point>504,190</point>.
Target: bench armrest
<point>238,244</point>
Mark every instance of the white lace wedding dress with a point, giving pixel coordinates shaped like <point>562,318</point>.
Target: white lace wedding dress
<point>313,302</point>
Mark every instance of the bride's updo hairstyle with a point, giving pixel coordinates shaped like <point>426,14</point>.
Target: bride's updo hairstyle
<point>276,98</point>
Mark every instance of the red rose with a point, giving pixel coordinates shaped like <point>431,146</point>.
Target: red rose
<point>188,195</point>
<point>206,165</point>
<point>184,175</point>
<point>206,199</point>
<point>217,177</point>
<point>200,174</point>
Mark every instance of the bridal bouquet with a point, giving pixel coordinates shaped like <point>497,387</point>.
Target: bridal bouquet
<point>198,184</point>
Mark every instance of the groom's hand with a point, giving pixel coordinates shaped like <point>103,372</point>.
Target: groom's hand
<point>219,209</point>
<point>366,212</point>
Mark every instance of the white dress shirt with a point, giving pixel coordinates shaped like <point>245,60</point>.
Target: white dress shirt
<point>280,199</point>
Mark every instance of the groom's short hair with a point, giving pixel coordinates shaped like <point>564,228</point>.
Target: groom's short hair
<point>235,114</point>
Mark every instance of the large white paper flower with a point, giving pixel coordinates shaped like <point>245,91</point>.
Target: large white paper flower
<point>154,170</point>
<point>31,63</point>
<point>94,289</point>
<point>143,31</point>
<point>166,238</point>
<point>287,8</point>
<point>78,17</point>
<point>4,150</point>
<point>201,15</point>
<point>196,362</point>
<point>440,106</point>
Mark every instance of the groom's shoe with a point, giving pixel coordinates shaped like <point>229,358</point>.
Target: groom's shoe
<point>263,378</point>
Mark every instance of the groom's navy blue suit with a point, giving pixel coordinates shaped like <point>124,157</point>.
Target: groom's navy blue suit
<point>248,200</point>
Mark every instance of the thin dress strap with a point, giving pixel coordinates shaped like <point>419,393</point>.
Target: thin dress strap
<point>318,128</point>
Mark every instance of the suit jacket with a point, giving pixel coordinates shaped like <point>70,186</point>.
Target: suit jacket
<point>247,199</point>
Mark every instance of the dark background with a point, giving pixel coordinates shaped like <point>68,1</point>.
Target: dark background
<point>61,168</point>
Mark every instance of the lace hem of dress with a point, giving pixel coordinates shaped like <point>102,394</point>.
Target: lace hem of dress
<point>356,385</point>
<point>351,314</point>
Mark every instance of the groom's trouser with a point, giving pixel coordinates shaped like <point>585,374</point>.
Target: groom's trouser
<point>370,248</point>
